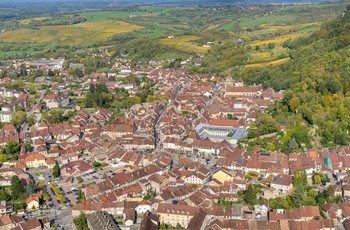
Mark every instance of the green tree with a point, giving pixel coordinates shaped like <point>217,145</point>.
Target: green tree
<point>56,172</point>
<point>12,147</point>
<point>320,198</point>
<point>271,45</point>
<point>250,195</point>
<point>16,187</point>
<point>298,196</point>
<point>294,104</point>
<point>61,198</point>
<point>341,113</point>
<point>31,121</point>
<point>30,187</point>
<point>4,195</point>
<point>40,185</point>
<point>293,145</point>
<point>104,176</point>
<point>300,178</point>
<point>81,222</point>
<point>317,179</point>
<point>46,196</point>
<point>330,192</point>
<point>178,226</point>
<point>29,147</point>
<point>163,226</point>
<point>17,118</point>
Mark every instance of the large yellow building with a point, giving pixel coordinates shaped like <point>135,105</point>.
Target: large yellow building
<point>223,174</point>
<point>172,214</point>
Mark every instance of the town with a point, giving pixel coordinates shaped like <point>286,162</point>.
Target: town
<point>172,159</point>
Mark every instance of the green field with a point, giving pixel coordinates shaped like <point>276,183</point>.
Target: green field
<point>252,27</point>
<point>267,19</point>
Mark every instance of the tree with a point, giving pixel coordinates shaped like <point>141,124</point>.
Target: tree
<point>31,121</point>
<point>81,222</point>
<point>16,187</point>
<point>271,45</point>
<point>29,147</point>
<point>12,147</point>
<point>104,176</point>
<point>300,178</point>
<point>56,172</point>
<point>163,226</point>
<point>18,118</point>
<point>297,197</point>
<point>79,179</point>
<point>61,198</point>
<point>294,104</point>
<point>46,196</point>
<point>320,198</point>
<point>4,195</point>
<point>317,179</point>
<point>250,195</point>
<point>178,226</point>
<point>40,185</point>
<point>341,113</point>
<point>293,145</point>
<point>330,192</point>
<point>30,187</point>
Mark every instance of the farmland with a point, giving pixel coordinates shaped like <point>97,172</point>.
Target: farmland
<point>76,34</point>
<point>191,28</point>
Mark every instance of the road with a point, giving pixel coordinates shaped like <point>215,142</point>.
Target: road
<point>25,126</point>
<point>157,131</point>
<point>59,213</point>
<point>331,178</point>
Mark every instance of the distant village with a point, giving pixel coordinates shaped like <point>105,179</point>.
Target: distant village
<point>171,162</point>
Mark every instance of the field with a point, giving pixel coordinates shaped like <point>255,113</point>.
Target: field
<point>189,47</point>
<point>176,40</point>
<point>82,33</point>
<point>191,27</point>
<point>276,62</point>
<point>278,40</point>
<point>27,21</point>
<point>267,19</point>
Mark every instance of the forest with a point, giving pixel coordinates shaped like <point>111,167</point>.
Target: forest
<point>316,103</point>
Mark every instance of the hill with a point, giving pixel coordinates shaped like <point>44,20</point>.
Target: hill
<point>316,104</point>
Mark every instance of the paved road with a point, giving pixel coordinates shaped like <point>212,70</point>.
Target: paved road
<point>25,126</point>
<point>331,178</point>
<point>157,131</point>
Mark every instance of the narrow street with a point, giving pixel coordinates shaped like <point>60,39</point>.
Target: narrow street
<point>157,131</point>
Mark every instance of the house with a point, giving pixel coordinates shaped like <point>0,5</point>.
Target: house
<point>32,224</point>
<point>143,207</point>
<point>36,160</point>
<point>9,221</point>
<point>33,201</point>
<point>282,183</point>
<point>223,174</point>
<point>75,167</point>
<point>172,214</point>
<point>346,191</point>
<point>149,221</point>
<point>56,100</point>
<point>101,220</point>
<point>90,206</point>
<point>262,208</point>
<point>115,131</point>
